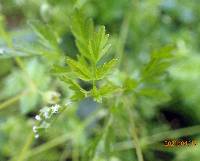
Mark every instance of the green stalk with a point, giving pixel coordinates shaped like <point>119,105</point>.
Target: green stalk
<point>122,37</point>
<point>136,141</point>
<point>22,155</point>
<point>11,101</point>
<point>149,140</point>
<point>94,75</point>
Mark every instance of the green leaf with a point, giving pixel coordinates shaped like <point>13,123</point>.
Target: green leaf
<point>12,81</point>
<point>28,102</point>
<point>104,91</point>
<point>48,37</point>
<point>90,43</point>
<point>106,68</point>
<point>154,93</point>
<point>81,28</point>
<point>56,69</point>
<point>130,84</point>
<point>97,45</point>
<point>167,52</point>
<point>108,89</point>
<point>155,69</point>
<point>92,46</point>
<point>160,61</point>
<point>83,49</point>
<point>91,150</point>
<point>80,70</point>
<point>79,92</point>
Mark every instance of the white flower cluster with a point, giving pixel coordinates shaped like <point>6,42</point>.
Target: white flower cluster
<point>43,118</point>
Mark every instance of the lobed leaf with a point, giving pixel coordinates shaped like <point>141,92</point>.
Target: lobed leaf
<point>154,93</point>
<point>130,84</point>
<point>104,91</point>
<point>90,43</point>
<point>97,44</point>
<point>47,36</point>
<point>79,92</point>
<point>56,69</point>
<point>79,69</point>
<point>158,64</point>
<point>106,68</point>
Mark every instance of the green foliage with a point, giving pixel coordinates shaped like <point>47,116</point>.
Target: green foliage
<point>79,92</point>
<point>93,45</point>
<point>159,62</point>
<point>88,96</point>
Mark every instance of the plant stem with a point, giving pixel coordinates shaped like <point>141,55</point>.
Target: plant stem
<point>122,37</point>
<point>124,31</point>
<point>11,100</point>
<point>135,137</point>
<point>48,145</point>
<point>94,75</point>
<point>93,81</point>
<point>171,133</point>
<point>22,155</point>
<point>148,140</point>
<point>137,145</point>
<point>64,155</point>
<point>75,153</point>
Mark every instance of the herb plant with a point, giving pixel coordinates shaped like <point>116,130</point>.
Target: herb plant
<point>74,90</point>
<point>91,68</point>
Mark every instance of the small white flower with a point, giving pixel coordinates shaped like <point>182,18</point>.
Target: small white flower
<point>46,115</point>
<point>55,108</point>
<point>37,117</point>
<point>37,136</point>
<point>52,97</point>
<point>35,129</point>
<point>45,112</point>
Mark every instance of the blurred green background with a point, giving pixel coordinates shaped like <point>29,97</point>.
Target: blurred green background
<point>136,28</point>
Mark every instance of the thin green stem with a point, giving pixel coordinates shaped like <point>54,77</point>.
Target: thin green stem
<point>94,76</point>
<point>49,145</point>
<point>137,145</point>
<point>136,141</point>
<point>12,100</point>
<point>171,133</point>
<point>75,153</point>
<point>22,155</point>
<point>149,140</point>
<point>124,31</point>
<point>64,155</point>
<point>122,37</point>
<point>94,81</point>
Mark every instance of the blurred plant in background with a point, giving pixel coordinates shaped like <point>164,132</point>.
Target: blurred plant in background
<point>127,98</point>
